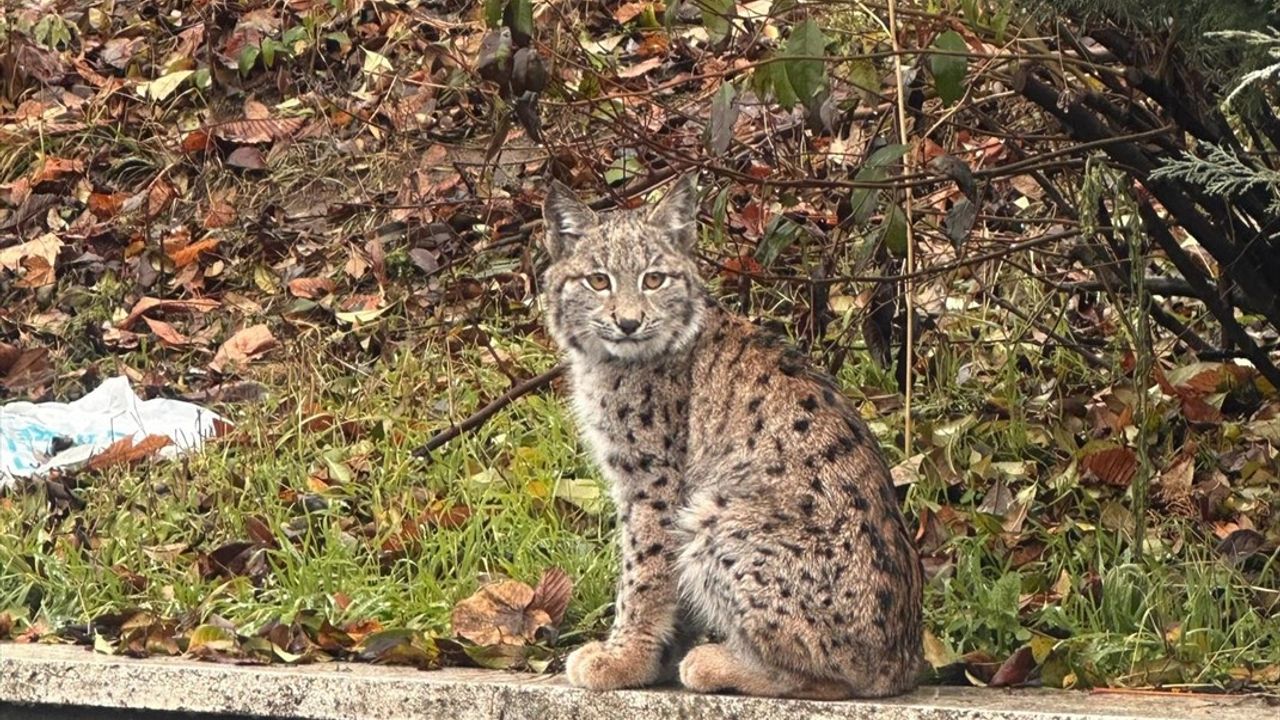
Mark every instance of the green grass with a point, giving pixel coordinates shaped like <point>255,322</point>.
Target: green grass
<point>156,521</point>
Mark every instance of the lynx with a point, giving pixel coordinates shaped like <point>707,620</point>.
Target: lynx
<point>754,504</point>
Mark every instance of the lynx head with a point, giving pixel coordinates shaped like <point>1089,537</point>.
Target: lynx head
<point>623,285</point>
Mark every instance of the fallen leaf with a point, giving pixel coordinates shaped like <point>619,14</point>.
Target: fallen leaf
<point>167,333</point>
<point>1015,669</point>
<point>197,141</point>
<point>247,157</point>
<point>45,247</point>
<point>149,304</point>
<point>552,594</point>
<point>54,169</point>
<point>105,206</point>
<point>22,369</point>
<point>311,288</point>
<point>187,255</point>
<point>255,131</point>
<point>1113,466</point>
<point>221,212</point>
<point>500,614</point>
<point>242,348</point>
<point>400,647</point>
<point>640,68</point>
<point>125,452</point>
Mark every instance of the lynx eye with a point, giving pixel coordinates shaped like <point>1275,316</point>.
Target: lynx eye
<point>654,280</point>
<point>598,282</point>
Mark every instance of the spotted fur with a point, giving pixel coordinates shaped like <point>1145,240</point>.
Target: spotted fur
<point>755,507</point>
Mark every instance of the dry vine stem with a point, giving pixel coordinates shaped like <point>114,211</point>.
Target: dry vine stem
<point>907,285</point>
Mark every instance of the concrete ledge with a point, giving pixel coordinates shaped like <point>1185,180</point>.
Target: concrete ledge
<point>69,676</point>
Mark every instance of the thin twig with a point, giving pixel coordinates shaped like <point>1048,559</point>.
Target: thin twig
<point>481,416</point>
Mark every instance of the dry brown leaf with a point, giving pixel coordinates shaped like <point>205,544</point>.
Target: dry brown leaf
<point>246,157</point>
<point>197,141</point>
<point>159,197</point>
<point>499,614</point>
<point>187,255</point>
<point>258,130</point>
<point>37,272</point>
<point>443,514</point>
<point>243,347</point>
<point>56,168</point>
<point>552,594</point>
<point>221,212</point>
<point>626,12</point>
<point>167,333</point>
<point>255,110</point>
<point>20,369</point>
<point>105,206</point>
<point>377,260</point>
<point>125,451</point>
<point>1112,466</point>
<point>640,68</point>
<point>311,288</point>
<point>147,304</point>
<point>45,247</point>
<point>1015,669</point>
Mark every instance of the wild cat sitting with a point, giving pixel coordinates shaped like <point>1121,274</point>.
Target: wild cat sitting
<point>755,505</point>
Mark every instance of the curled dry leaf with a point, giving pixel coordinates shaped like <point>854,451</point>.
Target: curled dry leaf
<point>147,305</point>
<point>500,614</point>
<point>247,158</point>
<point>197,141</point>
<point>167,333</point>
<point>253,131</point>
<point>125,451</point>
<point>1113,466</point>
<point>243,347</point>
<point>311,288</point>
<point>221,212</point>
<point>552,594</point>
<point>45,247</point>
<point>1015,669</point>
<point>105,206</point>
<point>183,257</point>
<point>400,647</point>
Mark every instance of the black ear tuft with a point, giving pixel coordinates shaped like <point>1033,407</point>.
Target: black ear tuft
<point>677,212</point>
<point>566,218</point>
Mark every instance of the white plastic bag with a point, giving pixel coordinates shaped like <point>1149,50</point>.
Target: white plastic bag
<point>91,424</point>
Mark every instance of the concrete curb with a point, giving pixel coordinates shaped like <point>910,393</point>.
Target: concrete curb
<point>70,676</point>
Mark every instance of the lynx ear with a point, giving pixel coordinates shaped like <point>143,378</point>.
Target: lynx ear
<point>677,212</point>
<point>566,218</point>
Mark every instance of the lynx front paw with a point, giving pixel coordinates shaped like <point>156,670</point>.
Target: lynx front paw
<point>610,666</point>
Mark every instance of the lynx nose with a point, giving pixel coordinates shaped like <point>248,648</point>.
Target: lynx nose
<point>627,325</point>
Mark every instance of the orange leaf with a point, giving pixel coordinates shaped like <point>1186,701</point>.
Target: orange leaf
<point>187,255</point>
<point>310,287</point>
<point>56,168</point>
<point>243,347</point>
<point>124,451</point>
<point>197,141</point>
<point>105,206</point>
